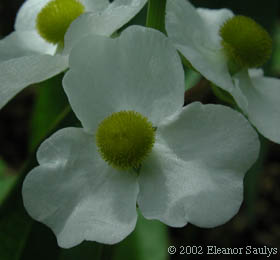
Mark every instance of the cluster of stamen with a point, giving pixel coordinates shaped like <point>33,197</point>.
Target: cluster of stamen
<point>245,42</point>
<point>55,18</point>
<point>124,139</point>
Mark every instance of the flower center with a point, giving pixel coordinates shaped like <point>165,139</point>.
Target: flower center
<point>124,139</point>
<point>55,18</point>
<point>245,42</point>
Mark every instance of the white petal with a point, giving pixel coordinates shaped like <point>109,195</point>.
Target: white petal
<point>240,98</point>
<point>263,96</point>
<point>77,194</point>
<point>119,12</point>
<point>192,37</point>
<point>196,171</point>
<point>213,20</point>
<point>16,74</point>
<point>27,14</point>
<point>24,43</point>
<point>95,5</point>
<point>140,71</point>
<point>103,22</point>
<point>255,73</point>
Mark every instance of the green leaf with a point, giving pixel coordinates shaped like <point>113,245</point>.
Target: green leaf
<point>156,15</point>
<point>15,226</point>
<point>7,181</point>
<point>149,241</point>
<point>50,102</point>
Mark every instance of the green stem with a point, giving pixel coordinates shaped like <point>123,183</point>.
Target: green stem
<point>156,15</point>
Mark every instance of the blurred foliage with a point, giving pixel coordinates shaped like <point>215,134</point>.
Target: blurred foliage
<point>15,226</point>
<point>86,251</point>
<point>275,61</point>
<point>50,102</point>
<point>7,181</point>
<point>8,10</point>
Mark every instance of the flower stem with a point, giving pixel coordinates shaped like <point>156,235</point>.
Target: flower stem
<point>156,15</point>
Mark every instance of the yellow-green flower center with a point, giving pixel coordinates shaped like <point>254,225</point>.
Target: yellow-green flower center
<point>245,42</point>
<point>124,139</point>
<point>55,18</point>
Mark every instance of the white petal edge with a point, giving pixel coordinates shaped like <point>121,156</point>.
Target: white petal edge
<point>27,14</point>
<point>104,22</point>
<point>195,173</point>
<point>16,74</point>
<point>24,43</point>
<point>77,194</point>
<point>191,36</point>
<point>140,71</point>
<point>263,96</point>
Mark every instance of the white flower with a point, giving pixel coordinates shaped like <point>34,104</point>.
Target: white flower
<point>193,172</point>
<point>195,33</point>
<point>27,58</point>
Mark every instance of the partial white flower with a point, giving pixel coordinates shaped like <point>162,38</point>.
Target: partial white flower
<point>192,173</point>
<point>27,58</point>
<point>195,33</point>
<point>263,95</point>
